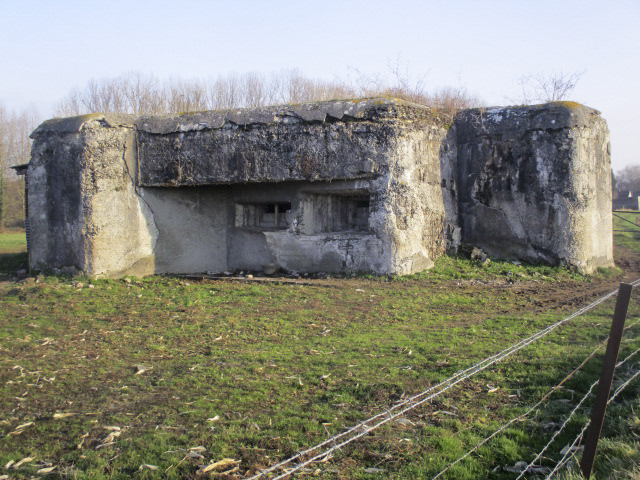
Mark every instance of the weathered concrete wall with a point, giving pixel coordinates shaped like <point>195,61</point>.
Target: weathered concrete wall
<point>375,160</point>
<point>450,197</point>
<point>320,141</point>
<point>414,203</point>
<point>379,186</point>
<point>84,212</point>
<point>197,231</point>
<point>390,147</point>
<point>534,184</point>
<point>304,246</point>
<point>56,202</point>
<point>192,225</point>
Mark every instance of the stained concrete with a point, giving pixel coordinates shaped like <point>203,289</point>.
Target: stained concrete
<point>85,212</point>
<point>535,184</point>
<point>378,185</point>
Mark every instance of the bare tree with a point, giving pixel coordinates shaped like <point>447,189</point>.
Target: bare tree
<point>139,94</point>
<point>541,88</point>
<point>184,96</point>
<point>628,179</point>
<point>15,149</point>
<point>143,94</point>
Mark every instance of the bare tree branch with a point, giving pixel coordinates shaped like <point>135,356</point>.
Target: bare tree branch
<point>542,88</point>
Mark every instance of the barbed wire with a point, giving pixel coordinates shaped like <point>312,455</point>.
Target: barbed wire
<point>572,451</point>
<point>414,401</point>
<point>573,412</point>
<point>559,431</point>
<point>534,407</point>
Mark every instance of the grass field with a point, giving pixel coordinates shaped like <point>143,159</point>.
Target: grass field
<point>13,248</point>
<point>159,377</point>
<point>13,242</point>
<point>627,232</point>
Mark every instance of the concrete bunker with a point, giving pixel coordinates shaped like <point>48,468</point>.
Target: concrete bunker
<point>379,185</point>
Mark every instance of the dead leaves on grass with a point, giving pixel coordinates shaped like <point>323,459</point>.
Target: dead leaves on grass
<point>44,471</point>
<point>62,415</point>
<point>82,439</point>
<point>45,467</point>
<point>140,369</point>
<point>14,465</point>
<point>216,467</point>
<point>226,466</point>
<point>20,428</point>
<point>114,432</point>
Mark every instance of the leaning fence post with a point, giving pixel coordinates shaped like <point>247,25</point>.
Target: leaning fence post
<point>606,378</point>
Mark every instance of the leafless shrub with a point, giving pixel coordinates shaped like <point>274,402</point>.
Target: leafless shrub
<point>541,88</point>
<point>451,99</point>
<point>139,94</point>
<point>448,99</point>
<point>628,179</point>
<point>15,149</point>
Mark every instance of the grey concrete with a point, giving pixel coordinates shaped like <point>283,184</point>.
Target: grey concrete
<point>191,226</point>
<point>378,185</point>
<point>320,141</point>
<point>84,211</point>
<point>535,184</point>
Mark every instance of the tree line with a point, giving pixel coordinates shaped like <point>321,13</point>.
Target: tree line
<point>15,149</point>
<point>625,181</point>
<point>140,94</point>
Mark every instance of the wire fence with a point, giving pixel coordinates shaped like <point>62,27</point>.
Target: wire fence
<point>532,409</point>
<point>636,227</point>
<point>573,449</point>
<point>328,447</point>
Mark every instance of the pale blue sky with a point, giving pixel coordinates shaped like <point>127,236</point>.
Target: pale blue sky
<point>48,47</point>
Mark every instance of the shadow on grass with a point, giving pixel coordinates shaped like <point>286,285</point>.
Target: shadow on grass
<point>11,262</point>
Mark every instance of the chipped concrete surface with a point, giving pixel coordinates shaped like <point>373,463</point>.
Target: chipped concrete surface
<point>87,214</point>
<point>378,185</point>
<point>535,184</point>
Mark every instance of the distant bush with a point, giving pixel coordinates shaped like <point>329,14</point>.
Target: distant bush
<point>140,94</point>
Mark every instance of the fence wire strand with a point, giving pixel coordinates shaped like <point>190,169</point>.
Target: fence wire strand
<point>574,411</point>
<point>364,427</point>
<point>534,407</point>
<point>571,452</point>
<point>559,431</point>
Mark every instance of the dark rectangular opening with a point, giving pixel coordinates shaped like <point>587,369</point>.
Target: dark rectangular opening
<point>337,213</point>
<point>263,215</point>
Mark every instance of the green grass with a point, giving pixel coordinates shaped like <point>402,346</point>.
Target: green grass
<point>256,372</point>
<point>631,237</point>
<point>450,267</point>
<point>13,251</point>
<point>13,242</point>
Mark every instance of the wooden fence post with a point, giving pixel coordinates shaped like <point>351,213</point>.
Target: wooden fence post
<point>606,379</point>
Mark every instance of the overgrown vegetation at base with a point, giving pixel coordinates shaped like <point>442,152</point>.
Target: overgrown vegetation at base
<point>158,377</point>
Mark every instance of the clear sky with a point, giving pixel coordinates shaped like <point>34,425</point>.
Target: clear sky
<point>48,47</point>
